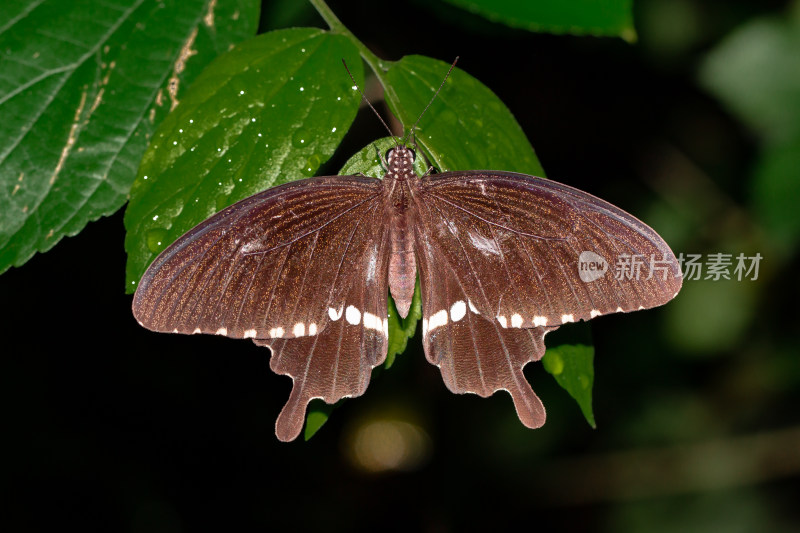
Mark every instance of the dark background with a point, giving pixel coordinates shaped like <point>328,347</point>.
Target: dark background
<point>110,427</point>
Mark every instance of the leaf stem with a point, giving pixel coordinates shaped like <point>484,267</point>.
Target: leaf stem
<point>378,65</point>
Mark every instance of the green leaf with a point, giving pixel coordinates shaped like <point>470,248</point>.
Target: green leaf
<point>318,414</point>
<point>573,367</point>
<point>83,85</point>
<point>270,111</point>
<point>467,127</point>
<point>593,17</point>
<point>402,329</point>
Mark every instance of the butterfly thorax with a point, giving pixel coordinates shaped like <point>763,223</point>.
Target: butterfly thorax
<point>398,182</point>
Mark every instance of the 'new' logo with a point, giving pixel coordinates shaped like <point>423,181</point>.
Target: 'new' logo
<point>591,266</point>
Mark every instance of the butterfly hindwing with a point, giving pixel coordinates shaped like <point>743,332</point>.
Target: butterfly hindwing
<point>474,353</point>
<point>337,362</point>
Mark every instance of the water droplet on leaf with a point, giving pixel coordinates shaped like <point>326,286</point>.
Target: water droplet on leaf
<point>314,161</point>
<point>300,138</point>
<point>155,239</point>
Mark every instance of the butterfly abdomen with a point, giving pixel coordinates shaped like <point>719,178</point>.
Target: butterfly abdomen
<point>402,265</point>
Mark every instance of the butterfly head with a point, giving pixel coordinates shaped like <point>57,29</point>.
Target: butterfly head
<point>400,162</point>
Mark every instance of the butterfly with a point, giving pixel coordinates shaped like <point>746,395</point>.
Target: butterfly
<point>305,269</point>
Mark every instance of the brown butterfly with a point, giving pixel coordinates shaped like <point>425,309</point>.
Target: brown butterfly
<point>305,269</point>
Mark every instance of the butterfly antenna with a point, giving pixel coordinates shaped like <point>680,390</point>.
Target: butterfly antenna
<point>364,97</point>
<point>414,127</point>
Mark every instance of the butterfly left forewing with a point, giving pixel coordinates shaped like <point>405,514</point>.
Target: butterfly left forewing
<point>268,266</point>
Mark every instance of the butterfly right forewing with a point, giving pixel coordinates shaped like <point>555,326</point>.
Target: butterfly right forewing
<point>515,242</point>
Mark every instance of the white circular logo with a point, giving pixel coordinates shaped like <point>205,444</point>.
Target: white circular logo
<point>591,266</point>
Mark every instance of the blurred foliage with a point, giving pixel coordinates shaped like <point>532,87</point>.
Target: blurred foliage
<point>755,71</point>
